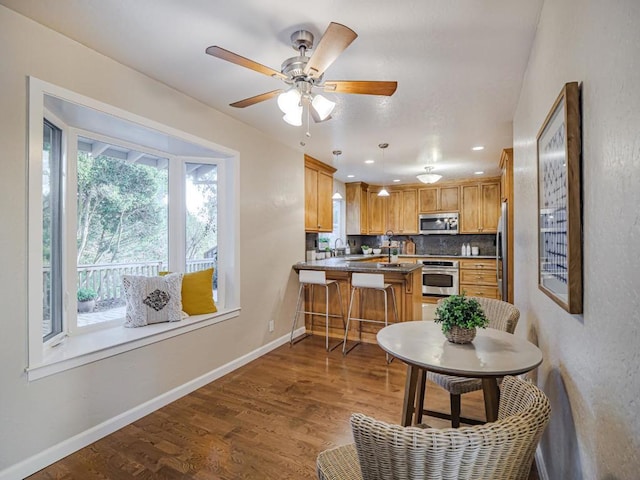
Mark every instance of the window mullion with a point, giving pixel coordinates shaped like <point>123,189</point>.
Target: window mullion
<point>177,207</point>
<point>70,218</point>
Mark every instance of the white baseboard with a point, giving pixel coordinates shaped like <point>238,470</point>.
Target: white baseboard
<point>53,454</point>
<point>542,468</point>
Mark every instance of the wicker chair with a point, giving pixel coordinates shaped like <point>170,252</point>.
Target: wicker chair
<point>500,450</point>
<point>502,316</point>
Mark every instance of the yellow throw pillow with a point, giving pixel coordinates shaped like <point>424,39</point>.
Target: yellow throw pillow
<point>197,292</point>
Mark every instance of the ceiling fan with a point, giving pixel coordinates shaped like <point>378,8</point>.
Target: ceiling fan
<point>303,74</point>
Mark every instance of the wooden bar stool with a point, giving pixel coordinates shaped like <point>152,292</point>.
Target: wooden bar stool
<point>361,282</point>
<point>311,278</point>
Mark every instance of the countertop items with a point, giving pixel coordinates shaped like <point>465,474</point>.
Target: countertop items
<point>357,263</point>
<point>444,255</point>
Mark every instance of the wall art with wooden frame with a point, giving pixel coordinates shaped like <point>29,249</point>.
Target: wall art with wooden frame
<point>559,201</point>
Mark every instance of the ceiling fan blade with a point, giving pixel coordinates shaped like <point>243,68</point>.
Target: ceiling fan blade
<point>335,40</point>
<point>362,87</point>
<point>247,102</point>
<point>223,54</point>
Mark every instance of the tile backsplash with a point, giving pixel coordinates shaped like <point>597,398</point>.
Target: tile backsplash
<point>425,244</point>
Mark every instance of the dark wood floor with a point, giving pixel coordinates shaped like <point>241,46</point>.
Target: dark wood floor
<point>267,420</point>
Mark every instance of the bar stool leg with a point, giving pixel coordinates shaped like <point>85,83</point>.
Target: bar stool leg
<point>326,317</point>
<point>395,304</point>
<point>330,349</point>
<point>295,315</point>
<point>387,357</point>
<point>346,328</point>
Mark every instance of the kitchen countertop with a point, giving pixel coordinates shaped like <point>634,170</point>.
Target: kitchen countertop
<point>359,263</point>
<point>356,263</point>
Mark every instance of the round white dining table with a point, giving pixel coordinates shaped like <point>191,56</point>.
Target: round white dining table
<point>491,355</point>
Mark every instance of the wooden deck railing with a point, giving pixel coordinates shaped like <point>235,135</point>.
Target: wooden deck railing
<point>106,279</point>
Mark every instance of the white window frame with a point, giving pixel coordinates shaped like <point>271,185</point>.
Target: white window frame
<point>78,346</point>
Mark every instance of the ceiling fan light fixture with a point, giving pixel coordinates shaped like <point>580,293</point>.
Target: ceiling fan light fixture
<point>429,177</point>
<point>383,192</point>
<point>294,117</point>
<point>337,196</point>
<point>289,101</point>
<point>323,106</point>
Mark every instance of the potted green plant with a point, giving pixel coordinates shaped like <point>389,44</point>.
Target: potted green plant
<point>460,316</point>
<point>86,300</point>
<point>365,249</point>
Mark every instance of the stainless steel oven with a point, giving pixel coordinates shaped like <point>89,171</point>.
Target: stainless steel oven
<point>440,277</point>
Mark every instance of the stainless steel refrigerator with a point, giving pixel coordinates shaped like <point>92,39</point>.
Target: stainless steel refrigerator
<point>502,260</point>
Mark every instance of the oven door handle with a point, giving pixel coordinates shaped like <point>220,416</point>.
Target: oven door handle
<point>440,272</point>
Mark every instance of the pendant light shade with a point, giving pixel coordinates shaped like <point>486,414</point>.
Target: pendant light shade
<point>322,106</point>
<point>294,117</point>
<point>336,153</point>
<point>289,101</point>
<point>383,192</point>
<point>429,177</point>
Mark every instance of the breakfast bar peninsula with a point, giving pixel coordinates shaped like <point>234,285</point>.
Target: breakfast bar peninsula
<point>406,281</point>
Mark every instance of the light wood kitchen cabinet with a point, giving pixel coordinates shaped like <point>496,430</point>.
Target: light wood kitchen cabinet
<point>439,199</point>
<point>480,207</point>
<point>357,208</point>
<point>402,212</point>
<point>478,278</point>
<point>318,190</point>
<point>377,214</point>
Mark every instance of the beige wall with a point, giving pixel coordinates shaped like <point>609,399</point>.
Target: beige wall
<point>272,239</point>
<point>591,361</point>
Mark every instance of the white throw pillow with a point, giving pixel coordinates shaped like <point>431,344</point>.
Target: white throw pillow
<point>152,299</point>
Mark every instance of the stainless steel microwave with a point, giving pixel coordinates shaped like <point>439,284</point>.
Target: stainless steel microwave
<point>438,223</point>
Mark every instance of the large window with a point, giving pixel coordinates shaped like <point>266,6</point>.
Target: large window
<point>121,224</point>
<point>111,197</point>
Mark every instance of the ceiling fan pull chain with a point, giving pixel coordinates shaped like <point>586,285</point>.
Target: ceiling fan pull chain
<point>308,134</point>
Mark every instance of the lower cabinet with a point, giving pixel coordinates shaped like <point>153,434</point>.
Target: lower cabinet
<point>479,278</point>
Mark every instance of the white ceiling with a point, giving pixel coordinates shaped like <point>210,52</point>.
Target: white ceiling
<point>459,66</point>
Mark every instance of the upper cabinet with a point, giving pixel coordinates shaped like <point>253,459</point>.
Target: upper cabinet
<point>357,218</point>
<point>478,203</point>
<point>318,190</point>
<point>377,213</point>
<point>439,199</point>
<point>402,211</point>
<point>480,207</point>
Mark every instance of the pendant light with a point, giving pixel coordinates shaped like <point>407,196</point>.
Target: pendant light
<point>383,192</point>
<point>336,195</point>
<point>429,177</point>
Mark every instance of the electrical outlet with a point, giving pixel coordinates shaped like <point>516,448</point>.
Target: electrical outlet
<point>272,325</point>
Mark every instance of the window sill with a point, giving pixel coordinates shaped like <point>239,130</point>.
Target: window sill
<point>89,347</point>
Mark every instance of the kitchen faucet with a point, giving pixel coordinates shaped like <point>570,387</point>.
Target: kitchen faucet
<point>335,245</point>
<point>389,234</point>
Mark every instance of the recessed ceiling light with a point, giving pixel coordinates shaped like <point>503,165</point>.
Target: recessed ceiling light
<point>479,172</point>
<point>479,147</point>
<point>350,176</point>
<point>369,161</point>
<point>396,180</point>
